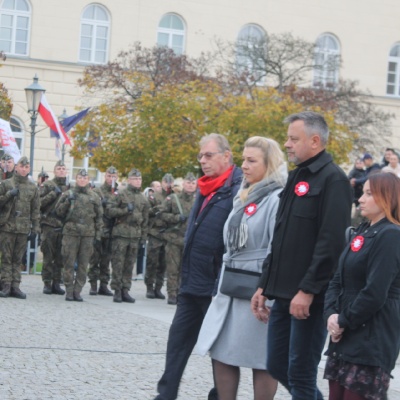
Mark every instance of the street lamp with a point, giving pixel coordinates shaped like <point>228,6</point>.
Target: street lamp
<point>33,97</point>
<point>61,118</point>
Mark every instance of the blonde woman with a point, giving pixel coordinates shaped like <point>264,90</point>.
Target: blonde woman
<point>229,332</point>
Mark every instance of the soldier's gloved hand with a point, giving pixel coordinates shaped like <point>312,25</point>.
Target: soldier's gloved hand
<point>104,201</point>
<point>57,190</point>
<point>13,192</point>
<point>97,243</point>
<point>130,207</point>
<point>32,237</point>
<point>71,197</point>
<point>182,218</point>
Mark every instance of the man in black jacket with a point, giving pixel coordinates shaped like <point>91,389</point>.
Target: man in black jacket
<point>309,236</point>
<point>202,257</point>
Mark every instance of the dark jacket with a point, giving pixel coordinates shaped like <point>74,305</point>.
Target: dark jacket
<point>204,244</point>
<point>365,292</point>
<point>373,169</point>
<point>310,229</point>
<point>357,173</point>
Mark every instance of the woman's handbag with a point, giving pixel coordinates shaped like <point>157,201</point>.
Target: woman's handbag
<point>239,283</point>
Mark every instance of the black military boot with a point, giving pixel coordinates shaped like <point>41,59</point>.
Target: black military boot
<point>69,296</point>
<point>56,288</point>
<point>6,290</point>
<point>104,290</point>
<point>150,292</point>
<point>117,296</point>
<point>126,297</point>
<point>93,288</point>
<point>172,300</point>
<point>17,293</point>
<point>158,294</point>
<point>47,288</point>
<point>77,296</point>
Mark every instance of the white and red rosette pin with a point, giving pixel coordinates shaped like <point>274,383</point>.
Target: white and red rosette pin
<point>251,209</point>
<point>302,188</point>
<point>357,243</point>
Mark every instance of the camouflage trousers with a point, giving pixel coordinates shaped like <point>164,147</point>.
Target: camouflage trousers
<point>124,254</point>
<point>13,248</point>
<point>155,265</point>
<point>99,267</point>
<point>52,259</point>
<point>173,255</point>
<point>79,249</point>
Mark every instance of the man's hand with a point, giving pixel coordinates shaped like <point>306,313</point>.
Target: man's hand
<point>300,305</point>
<point>57,189</point>
<point>258,306</point>
<point>353,182</point>
<point>130,207</point>
<point>13,192</point>
<point>333,328</point>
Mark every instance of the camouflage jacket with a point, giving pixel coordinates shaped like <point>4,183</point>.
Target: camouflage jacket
<point>106,195</point>
<point>6,175</point>
<point>132,225</point>
<point>170,214</point>
<point>82,216</point>
<point>48,201</point>
<point>19,214</point>
<point>156,225</point>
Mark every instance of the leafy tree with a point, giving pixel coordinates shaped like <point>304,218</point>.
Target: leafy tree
<point>5,101</point>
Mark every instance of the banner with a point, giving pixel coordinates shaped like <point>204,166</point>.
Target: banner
<point>7,140</point>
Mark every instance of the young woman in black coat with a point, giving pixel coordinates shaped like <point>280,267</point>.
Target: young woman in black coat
<point>362,304</point>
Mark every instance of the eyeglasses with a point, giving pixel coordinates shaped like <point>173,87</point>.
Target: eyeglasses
<point>208,155</point>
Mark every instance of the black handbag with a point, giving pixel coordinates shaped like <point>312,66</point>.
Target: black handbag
<point>239,283</point>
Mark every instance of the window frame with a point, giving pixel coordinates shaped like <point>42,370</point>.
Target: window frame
<point>171,32</point>
<point>396,83</point>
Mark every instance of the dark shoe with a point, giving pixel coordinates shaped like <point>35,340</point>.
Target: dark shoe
<point>69,297</point>
<point>172,300</point>
<point>117,296</point>
<point>93,288</point>
<point>77,296</point>
<point>150,294</point>
<point>47,288</point>
<point>126,297</point>
<point>158,294</point>
<point>213,394</point>
<point>6,290</point>
<point>104,290</point>
<point>56,288</point>
<point>17,293</point>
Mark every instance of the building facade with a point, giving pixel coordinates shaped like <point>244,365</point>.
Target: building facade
<point>56,40</point>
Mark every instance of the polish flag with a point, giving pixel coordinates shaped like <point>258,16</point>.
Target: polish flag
<point>51,120</point>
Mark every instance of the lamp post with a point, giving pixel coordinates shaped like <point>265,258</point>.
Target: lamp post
<point>61,118</point>
<point>33,97</point>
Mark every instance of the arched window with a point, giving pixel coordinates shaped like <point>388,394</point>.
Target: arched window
<point>171,33</point>
<point>95,30</point>
<point>327,61</point>
<point>250,51</point>
<point>15,22</point>
<point>393,75</point>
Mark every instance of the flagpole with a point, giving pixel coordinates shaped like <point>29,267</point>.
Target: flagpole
<point>61,119</point>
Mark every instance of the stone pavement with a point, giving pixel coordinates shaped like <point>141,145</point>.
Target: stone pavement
<point>53,349</point>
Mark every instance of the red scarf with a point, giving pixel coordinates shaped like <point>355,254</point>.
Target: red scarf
<point>209,185</point>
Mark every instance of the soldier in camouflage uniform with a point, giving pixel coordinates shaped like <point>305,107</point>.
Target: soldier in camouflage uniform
<point>174,212</point>
<point>131,212</point>
<point>7,167</point>
<point>19,217</point>
<point>81,210</point>
<point>156,264</point>
<point>99,268</point>
<point>50,193</point>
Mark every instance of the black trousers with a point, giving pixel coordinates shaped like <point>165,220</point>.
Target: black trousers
<point>182,338</point>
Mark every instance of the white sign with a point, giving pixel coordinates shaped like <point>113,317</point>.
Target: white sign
<point>7,140</point>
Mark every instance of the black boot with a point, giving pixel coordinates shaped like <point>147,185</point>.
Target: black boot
<point>126,297</point>
<point>6,290</point>
<point>77,296</point>
<point>69,296</point>
<point>47,288</point>
<point>104,290</point>
<point>172,300</point>
<point>17,293</point>
<point>56,288</point>
<point>117,296</point>
<point>150,292</point>
<point>158,294</point>
<point>93,288</point>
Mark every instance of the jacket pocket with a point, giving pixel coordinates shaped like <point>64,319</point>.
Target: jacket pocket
<point>307,206</point>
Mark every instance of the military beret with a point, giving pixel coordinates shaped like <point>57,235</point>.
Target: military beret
<point>60,163</point>
<point>134,172</point>
<point>190,177</point>
<point>6,157</point>
<point>111,170</point>
<point>43,174</point>
<point>82,172</point>
<point>23,161</point>
<point>168,178</point>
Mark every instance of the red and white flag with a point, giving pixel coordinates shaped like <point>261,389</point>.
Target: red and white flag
<point>51,120</point>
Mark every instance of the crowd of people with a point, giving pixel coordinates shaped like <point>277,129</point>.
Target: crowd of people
<point>262,264</point>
